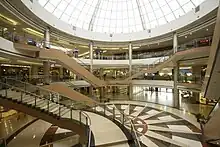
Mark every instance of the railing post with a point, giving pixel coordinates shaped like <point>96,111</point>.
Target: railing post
<point>104,109</point>
<point>86,121</point>
<point>35,101</point>
<point>58,98</point>
<point>25,87</point>
<point>71,113</point>
<point>80,117</point>
<point>6,92</point>
<point>113,113</point>
<point>21,96</point>
<point>48,105</point>
<point>59,110</point>
<point>123,118</point>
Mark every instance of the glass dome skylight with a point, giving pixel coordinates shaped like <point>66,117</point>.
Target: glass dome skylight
<point>118,16</point>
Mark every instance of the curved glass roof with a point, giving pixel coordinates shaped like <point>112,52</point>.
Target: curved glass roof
<point>118,16</point>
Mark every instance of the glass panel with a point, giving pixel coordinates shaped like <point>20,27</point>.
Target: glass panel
<point>118,16</point>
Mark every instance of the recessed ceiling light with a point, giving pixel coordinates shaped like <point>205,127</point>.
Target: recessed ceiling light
<point>207,29</point>
<point>186,37</point>
<point>190,33</point>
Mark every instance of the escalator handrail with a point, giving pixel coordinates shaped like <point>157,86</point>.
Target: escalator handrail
<point>212,110</point>
<point>84,64</point>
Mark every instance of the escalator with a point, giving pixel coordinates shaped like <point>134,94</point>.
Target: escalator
<point>64,60</point>
<point>211,130</point>
<point>71,64</point>
<point>45,106</point>
<point>168,59</point>
<point>211,85</point>
<point>63,89</point>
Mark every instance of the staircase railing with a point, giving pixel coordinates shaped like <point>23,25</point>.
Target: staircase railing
<point>112,113</point>
<point>41,96</point>
<point>46,104</point>
<point>57,97</point>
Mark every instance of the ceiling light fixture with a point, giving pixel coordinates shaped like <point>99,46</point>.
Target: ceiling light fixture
<point>8,20</point>
<point>33,32</point>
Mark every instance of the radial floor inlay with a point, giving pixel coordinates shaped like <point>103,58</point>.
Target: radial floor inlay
<point>157,128</point>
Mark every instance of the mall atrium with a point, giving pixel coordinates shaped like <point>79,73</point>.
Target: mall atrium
<point>109,73</point>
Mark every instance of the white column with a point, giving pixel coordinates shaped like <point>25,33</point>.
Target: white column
<point>46,71</point>
<point>91,65</point>
<point>91,56</point>
<point>130,58</point>
<point>176,100</point>
<point>176,73</point>
<point>61,73</point>
<point>47,38</point>
<point>130,87</point>
<point>175,42</point>
<point>34,72</point>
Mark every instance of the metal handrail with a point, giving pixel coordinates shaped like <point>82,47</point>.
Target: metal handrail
<point>88,120</point>
<point>50,91</point>
<point>90,130</point>
<point>212,110</point>
<point>125,117</point>
<point>135,133</point>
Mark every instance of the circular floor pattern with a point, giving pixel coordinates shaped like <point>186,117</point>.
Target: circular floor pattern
<point>157,128</point>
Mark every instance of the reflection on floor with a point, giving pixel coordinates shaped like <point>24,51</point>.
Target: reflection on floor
<point>43,133</point>
<point>11,124</point>
<point>158,126</point>
<point>37,134</point>
<point>164,97</point>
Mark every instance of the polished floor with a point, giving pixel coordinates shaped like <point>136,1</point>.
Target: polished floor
<point>163,97</point>
<point>12,123</point>
<point>159,126</point>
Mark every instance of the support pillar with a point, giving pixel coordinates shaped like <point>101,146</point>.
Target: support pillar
<point>61,73</point>
<point>175,42</point>
<point>101,89</point>
<point>91,66</point>
<point>91,56</point>
<point>130,59</point>
<point>47,38</point>
<point>33,72</point>
<point>130,87</point>
<point>176,100</point>
<point>46,71</point>
<point>102,93</point>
